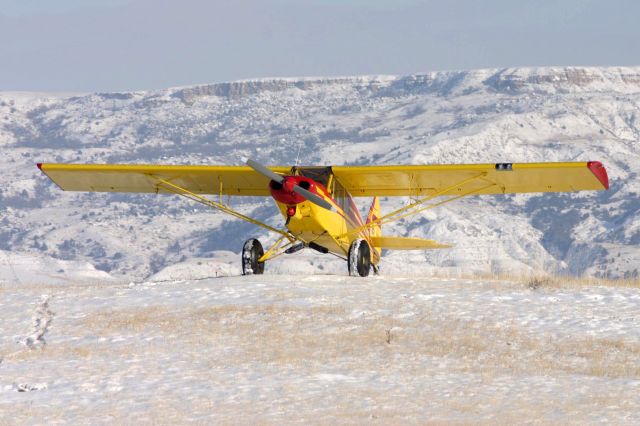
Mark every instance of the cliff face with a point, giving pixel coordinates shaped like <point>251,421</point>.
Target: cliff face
<point>625,80</point>
<point>511,80</point>
<point>505,115</point>
<point>240,89</point>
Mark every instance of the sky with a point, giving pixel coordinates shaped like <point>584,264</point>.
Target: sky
<point>123,45</point>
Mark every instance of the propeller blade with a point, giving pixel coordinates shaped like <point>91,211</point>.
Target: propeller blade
<point>315,199</point>
<point>280,179</point>
<point>265,171</point>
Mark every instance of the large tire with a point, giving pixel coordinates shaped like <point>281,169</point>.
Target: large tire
<point>251,252</point>
<point>359,258</point>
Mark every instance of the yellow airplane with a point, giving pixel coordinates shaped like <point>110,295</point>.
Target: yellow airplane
<point>317,202</point>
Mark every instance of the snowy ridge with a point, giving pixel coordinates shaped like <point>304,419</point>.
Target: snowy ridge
<point>492,115</point>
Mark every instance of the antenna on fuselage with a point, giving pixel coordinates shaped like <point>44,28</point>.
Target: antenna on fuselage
<point>298,156</point>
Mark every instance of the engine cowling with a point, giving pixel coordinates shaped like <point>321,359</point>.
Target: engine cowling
<point>283,192</point>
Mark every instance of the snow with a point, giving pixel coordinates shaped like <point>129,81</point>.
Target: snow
<point>26,268</point>
<point>319,348</point>
<point>492,115</point>
<point>116,307</point>
<point>224,264</point>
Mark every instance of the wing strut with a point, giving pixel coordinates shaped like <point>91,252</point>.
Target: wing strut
<point>412,209</point>
<point>178,190</point>
<point>278,248</point>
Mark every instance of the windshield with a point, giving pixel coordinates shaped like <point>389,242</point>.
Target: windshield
<point>318,174</point>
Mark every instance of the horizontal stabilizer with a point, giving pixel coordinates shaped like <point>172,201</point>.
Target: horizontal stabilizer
<point>406,243</point>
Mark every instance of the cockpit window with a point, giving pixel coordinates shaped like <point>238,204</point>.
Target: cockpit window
<point>318,174</point>
<point>339,194</point>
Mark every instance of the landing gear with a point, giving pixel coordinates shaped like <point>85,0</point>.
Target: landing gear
<point>251,252</point>
<point>359,258</point>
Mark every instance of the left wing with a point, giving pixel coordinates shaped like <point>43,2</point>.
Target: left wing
<point>458,179</point>
<point>224,180</point>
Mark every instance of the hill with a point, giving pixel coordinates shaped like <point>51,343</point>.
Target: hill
<point>495,115</point>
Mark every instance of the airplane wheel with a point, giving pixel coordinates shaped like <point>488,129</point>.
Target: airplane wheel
<point>359,258</point>
<point>251,252</point>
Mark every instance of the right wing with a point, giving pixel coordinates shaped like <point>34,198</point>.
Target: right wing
<point>458,179</point>
<point>223,180</point>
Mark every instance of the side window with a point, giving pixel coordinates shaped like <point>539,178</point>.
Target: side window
<point>340,196</point>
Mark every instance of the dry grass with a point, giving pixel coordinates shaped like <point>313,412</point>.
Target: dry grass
<point>169,321</point>
<point>67,351</point>
<point>537,281</point>
<point>278,337</point>
<point>316,336</point>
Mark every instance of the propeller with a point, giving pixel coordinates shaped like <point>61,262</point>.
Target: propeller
<point>265,171</point>
<point>314,198</point>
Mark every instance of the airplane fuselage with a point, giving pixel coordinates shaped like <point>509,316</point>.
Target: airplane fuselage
<point>333,229</point>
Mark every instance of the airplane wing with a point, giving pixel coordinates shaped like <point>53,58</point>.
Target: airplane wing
<point>500,178</point>
<point>225,180</point>
<point>507,178</point>
<point>406,243</point>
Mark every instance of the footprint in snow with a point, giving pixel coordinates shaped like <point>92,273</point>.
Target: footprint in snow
<point>25,387</point>
<point>41,322</point>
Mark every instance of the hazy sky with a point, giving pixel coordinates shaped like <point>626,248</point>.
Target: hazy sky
<point>111,45</point>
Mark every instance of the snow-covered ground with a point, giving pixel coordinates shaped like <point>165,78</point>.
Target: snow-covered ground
<point>318,349</point>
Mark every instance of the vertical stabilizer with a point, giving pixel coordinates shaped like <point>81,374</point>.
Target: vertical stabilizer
<point>375,230</point>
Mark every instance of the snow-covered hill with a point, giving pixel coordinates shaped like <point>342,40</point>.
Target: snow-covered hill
<point>505,115</point>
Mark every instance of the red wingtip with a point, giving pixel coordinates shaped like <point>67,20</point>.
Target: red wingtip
<point>600,172</point>
<point>39,165</point>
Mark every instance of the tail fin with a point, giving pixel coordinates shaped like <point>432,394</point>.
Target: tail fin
<point>375,230</point>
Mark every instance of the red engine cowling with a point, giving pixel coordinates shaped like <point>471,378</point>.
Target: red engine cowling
<point>283,192</point>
